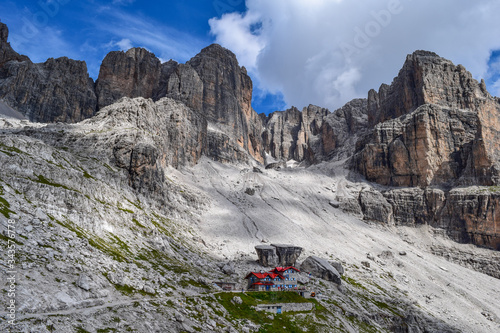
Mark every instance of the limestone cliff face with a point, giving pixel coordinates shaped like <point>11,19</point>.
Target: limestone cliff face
<point>314,134</point>
<point>212,84</point>
<point>138,136</point>
<point>435,125</point>
<point>467,214</point>
<point>57,90</point>
<point>430,146</point>
<point>425,78</point>
<point>134,73</point>
<point>433,129</point>
<point>227,97</point>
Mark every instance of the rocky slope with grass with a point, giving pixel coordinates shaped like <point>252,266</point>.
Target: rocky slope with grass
<point>130,197</point>
<point>102,246</point>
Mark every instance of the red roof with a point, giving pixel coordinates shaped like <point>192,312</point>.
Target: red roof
<point>265,275</point>
<point>283,269</point>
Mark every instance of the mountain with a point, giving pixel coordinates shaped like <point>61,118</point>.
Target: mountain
<point>127,198</point>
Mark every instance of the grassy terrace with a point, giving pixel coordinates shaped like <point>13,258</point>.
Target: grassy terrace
<point>277,323</point>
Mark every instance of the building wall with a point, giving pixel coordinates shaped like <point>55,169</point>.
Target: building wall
<point>285,307</point>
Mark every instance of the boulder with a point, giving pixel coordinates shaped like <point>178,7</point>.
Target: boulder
<point>83,282</point>
<point>321,268</point>
<point>375,207</point>
<point>228,268</point>
<point>287,254</point>
<point>338,266</point>
<point>267,255</point>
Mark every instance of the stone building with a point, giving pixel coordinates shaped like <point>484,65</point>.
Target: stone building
<point>280,278</point>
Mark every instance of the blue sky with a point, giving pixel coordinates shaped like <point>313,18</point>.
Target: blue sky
<point>297,52</point>
<point>88,30</point>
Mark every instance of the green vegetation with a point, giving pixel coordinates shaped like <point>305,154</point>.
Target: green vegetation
<point>363,327</point>
<point>106,330</point>
<point>42,180</point>
<point>109,168</point>
<point>159,259</point>
<point>353,283</point>
<point>6,239</point>
<point>191,282</point>
<point>8,150</point>
<point>119,254</point>
<point>285,322</point>
<point>4,205</point>
<point>86,175</point>
<point>57,165</point>
<point>494,188</point>
<point>80,329</point>
<point>4,208</point>
<point>138,224</point>
<point>137,205</point>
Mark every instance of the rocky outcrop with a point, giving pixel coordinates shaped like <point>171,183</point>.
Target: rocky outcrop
<point>139,136</point>
<point>287,254</point>
<point>227,96</point>
<point>292,134</point>
<point>321,268</point>
<point>467,214</point>
<point>211,83</point>
<point>267,255</point>
<point>425,78</point>
<point>435,128</point>
<point>435,125</point>
<point>278,254</point>
<point>314,134</point>
<point>165,133</point>
<point>375,207</point>
<point>180,82</point>
<point>487,263</point>
<point>473,216</point>
<point>6,51</point>
<point>134,73</point>
<point>430,146</point>
<point>56,90</point>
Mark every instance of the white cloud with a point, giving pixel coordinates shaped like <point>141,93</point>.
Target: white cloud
<point>242,33</point>
<point>495,88</point>
<point>124,44</point>
<point>135,30</point>
<point>328,52</point>
<point>39,49</point>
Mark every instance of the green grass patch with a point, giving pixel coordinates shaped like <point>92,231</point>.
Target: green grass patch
<point>158,259</point>
<point>87,175</point>
<point>42,180</point>
<point>285,322</point>
<point>9,150</point>
<point>191,282</point>
<point>6,239</point>
<point>80,329</point>
<point>138,224</point>
<point>353,282</point>
<point>136,205</point>
<point>120,254</point>
<point>5,208</point>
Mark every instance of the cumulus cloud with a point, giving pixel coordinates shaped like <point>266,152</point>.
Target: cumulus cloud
<point>327,52</point>
<point>124,44</point>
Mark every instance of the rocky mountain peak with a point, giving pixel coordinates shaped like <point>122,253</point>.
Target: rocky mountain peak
<point>57,90</point>
<point>6,51</point>
<point>218,52</point>
<point>134,73</point>
<point>425,78</point>
<point>4,33</point>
